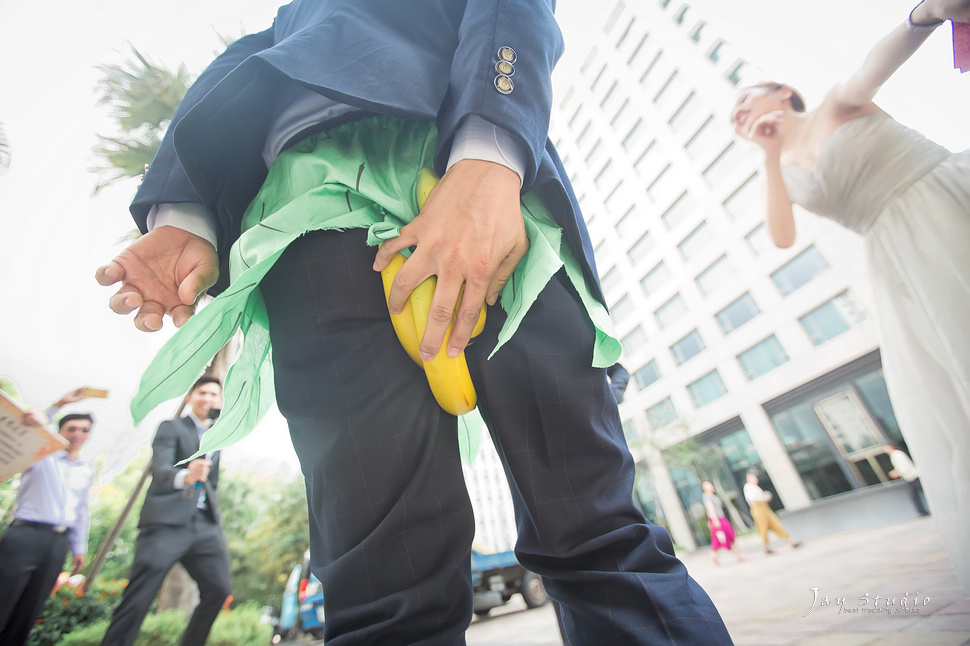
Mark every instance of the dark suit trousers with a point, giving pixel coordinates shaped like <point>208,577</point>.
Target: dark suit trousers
<point>30,560</point>
<point>200,548</point>
<point>391,523</point>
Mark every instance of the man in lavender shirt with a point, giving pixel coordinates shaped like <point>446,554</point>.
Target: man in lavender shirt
<point>50,517</point>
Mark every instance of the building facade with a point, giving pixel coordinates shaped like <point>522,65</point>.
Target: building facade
<point>743,356</point>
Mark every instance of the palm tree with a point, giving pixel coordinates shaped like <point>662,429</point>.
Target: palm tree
<point>143,96</point>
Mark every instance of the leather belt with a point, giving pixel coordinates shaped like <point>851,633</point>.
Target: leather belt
<point>57,529</point>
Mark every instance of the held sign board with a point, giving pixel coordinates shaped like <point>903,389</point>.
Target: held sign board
<point>21,446</point>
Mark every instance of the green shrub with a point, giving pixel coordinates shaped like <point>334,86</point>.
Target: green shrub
<point>242,626</point>
<point>65,611</point>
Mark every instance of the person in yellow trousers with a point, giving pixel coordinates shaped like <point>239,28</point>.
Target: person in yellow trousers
<point>762,514</point>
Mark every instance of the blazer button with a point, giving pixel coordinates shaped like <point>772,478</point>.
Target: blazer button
<point>506,54</point>
<point>502,67</point>
<point>504,84</point>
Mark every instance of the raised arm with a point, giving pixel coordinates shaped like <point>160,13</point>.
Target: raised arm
<point>895,49</point>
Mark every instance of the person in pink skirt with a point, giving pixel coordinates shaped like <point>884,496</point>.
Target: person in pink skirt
<point>722,533</point>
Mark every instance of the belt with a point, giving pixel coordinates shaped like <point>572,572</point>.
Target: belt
<point>57,529</point>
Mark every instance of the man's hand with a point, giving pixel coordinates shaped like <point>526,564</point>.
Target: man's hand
<point>34,418</point>
<point>77,563</point>
<point>163,272</point>
<point>198,471</point>
<point>470,232</point>
<point>72,397</point>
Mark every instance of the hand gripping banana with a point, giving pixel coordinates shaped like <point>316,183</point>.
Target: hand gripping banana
<point>448,377</point>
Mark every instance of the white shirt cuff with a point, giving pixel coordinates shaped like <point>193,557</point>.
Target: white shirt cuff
<point>477,138</point>
<point>193,218</point>
<point>179,481</point>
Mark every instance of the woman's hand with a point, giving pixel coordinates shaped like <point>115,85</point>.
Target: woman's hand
<point>765,131</point>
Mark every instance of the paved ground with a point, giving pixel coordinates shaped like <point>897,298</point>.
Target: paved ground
<point>769,601</point>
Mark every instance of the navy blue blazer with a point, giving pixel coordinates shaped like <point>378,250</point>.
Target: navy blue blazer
<point>421,59</point>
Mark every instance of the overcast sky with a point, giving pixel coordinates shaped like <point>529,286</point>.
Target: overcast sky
<point>56,331</point>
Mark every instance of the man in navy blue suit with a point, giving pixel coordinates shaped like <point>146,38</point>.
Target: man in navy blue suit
<point>350,96</point>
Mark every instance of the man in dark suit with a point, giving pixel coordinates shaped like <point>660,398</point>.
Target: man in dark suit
<point>390,520</point>
<point>179,523</point>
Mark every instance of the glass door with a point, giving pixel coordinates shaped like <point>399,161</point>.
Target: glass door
<point>855,434</point>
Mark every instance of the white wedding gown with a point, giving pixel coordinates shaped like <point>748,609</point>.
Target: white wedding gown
<point>910,199</point>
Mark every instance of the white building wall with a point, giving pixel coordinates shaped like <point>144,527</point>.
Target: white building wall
<point>631,76</point>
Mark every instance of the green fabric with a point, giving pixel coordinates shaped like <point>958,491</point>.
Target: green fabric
<point>359,175</point>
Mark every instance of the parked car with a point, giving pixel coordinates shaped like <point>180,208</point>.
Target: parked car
<point>302,608</point>
<point>496,577</point>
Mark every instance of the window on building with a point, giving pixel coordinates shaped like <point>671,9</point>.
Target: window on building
<point>644,154</point>
<point>579,111</point>
<point>759,241</point>
<point>762,358</point>
<point>655,279</point>
<point>592,151</point>
<point>589,61</point>
<point>688,347</point>
<point>681,15</point>
<point>682,115</point>
<point>630,431</point>
<point>671,94</point>
<point>622,309</point>
<point>708,388</point>
<point>567,97</point>
<point>609,94</point>
<point>651,66</point>
<point>872,390</point>
<point>696,241</point>
<point>628,225</point>
<point>629,138</point>
<point>746,198</point>
<point>714,53</point>
<point>611,21</point>
<point>678,211</point>
<point>583,132</point>
<point>634,341</point>
<point>799,270</point>
<point>636,51</point>
<point>695,35</point>
<point>610,279</point>
<point>647,375</point>
<point>613,191</point>
<point>737,313</point>
<point>832,318</point>
<point>717,277</point>
<point>603,172</point>
<point>735,74</point>
<point>662,413</point>
<point>654,189</point>
<point>640,250</point>
<point>626,32</point>
<point>670,311</point>
<point>619,112</point>
<point>723,165</point>
<point>599,249</point>
<point>702,138</point>
<point>811,450</point>
<point>596,80</point>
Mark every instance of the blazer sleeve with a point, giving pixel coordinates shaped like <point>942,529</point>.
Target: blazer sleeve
<point>529,29</point>
<point>166,181</point>
<point>165,454</point>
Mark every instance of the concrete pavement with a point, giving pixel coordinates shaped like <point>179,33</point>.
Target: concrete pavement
<point>769,599</point>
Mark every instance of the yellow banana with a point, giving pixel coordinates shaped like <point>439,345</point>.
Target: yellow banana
<point>449,379</point>
<point>404,321</point>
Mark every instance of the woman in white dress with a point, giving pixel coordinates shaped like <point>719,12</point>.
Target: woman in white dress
<point>910,198</point>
